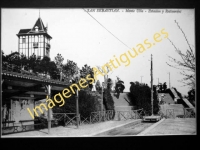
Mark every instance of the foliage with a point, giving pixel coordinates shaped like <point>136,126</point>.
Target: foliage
<point>88,102</point>
<point>109,83</point>
<point>98,87</point>
<point>191,96</point>
<point>140,95</point>
<point>108,100</point>
<point>59,61</point>
<point>156,107</point>
<point>87,70</point>
<point>36,64</point>
<point>162,87</point>
<point>70,68</point>
<point>186,64</point>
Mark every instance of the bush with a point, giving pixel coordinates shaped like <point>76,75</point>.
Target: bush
<point>108,100</point>
<point>140,95</point>
<point>88,102</point>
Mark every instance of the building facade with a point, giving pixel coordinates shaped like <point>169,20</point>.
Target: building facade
<point>35,40</point>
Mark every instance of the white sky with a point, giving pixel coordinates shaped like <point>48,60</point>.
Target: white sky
<point>80,38</point>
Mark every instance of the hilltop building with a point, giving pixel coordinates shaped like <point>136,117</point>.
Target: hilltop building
<point>35,40</point>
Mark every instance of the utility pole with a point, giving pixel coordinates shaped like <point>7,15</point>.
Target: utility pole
<point>49,113</point>
<point>152,84</point>
<point>77,109</point>
<point>169,81</point>
<point>102,97</point>
<point>141,79</point>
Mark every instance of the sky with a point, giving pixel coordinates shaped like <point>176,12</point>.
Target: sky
<point>79,37</point>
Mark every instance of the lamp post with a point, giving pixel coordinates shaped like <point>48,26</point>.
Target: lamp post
<point>77,109</point>
<point>49,113</point>
<point>102,97</point>
<point>141,79</point>
<point>152,83</point>
<point>169,80</point>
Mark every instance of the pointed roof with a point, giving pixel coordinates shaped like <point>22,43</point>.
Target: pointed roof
<point>40,25</point>
<point>41,29</point>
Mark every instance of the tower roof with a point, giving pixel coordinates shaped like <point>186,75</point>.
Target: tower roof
<point>39,24</point>
<point>38,28</point>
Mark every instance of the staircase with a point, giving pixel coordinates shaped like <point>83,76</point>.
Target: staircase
<point>122,103</point>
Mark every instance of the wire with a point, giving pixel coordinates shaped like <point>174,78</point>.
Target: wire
<point>106,29</point>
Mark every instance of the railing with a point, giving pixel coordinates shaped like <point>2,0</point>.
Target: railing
<point>48,45</point>
<point>133,114</point>
<point>67,118</point>
<point>189,113</point>
<point>102,116</point>
<point>17,71</point>
<point>170,113</point>
<point>84,120</point>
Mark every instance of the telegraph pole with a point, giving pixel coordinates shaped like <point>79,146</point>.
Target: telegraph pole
<point>152,84</point>
<point>77,109</point>
<point>102,97</point>
<point>169,81</point>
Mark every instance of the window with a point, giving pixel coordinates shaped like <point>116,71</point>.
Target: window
<point>36,38</point>
<point>36,28</point>
<point>24,40</point>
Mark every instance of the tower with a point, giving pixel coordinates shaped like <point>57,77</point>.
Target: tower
<point>35,40</point>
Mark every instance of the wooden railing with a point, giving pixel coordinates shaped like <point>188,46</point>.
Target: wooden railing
<point>70,118</point>
<point>102,116</point>
<point>170,113</point>
<point>189,113</point>
<point>132,114</point>
<point>67,118</point>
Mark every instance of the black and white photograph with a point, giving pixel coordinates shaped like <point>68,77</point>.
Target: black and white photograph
<point>98,72</point>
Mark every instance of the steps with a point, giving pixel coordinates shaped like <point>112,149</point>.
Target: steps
<point>122,103</point>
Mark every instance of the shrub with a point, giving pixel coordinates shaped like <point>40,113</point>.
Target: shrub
<point>88,102</point>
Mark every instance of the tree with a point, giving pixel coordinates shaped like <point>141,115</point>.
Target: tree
<point>45,64</point>
<point>53,70</point>
<point>164,86</point>
<point>59,61</point>
<point>140,95</point>
<point>98,87</point>
<point>191,96</point>
<point>186,64</point>
<point>23,61</point>
<point>156,107</point>
<point>109,84</point>
<point>108,100</point>
<point>87,70</point>
<point>119,87</point>
<point>32,62</point>
<point>87,103</point>
<point>70,68</point>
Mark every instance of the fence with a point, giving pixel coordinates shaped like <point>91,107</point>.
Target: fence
<point>189,113</point>
<point>118,115</point>
<point>67,118</point>
<point>133,114</point>
<point>70,118</point>
<point>102,116</point>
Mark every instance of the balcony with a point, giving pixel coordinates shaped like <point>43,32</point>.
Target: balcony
<point>48,46</point>
<point>35,44</point>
